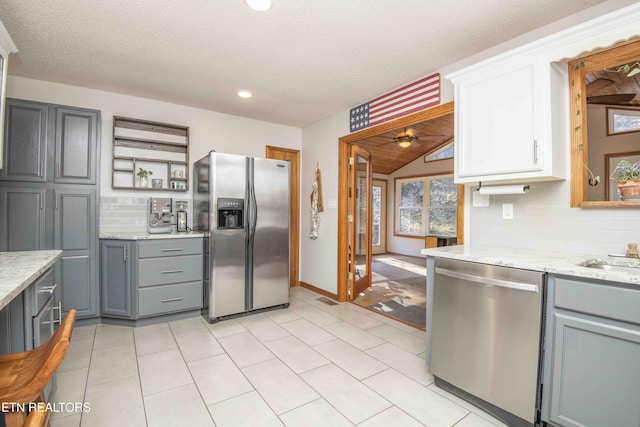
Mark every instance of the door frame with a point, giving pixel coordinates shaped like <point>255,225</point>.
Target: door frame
<point>293,156</point>
<point>384,184</point>
<point>344,151</point>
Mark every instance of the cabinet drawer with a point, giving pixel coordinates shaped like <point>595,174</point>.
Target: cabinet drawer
<point>169,248</point>
<point>599,300</point>
<point>42,290</point>
<point>161,271</point>
<point>168,298</point>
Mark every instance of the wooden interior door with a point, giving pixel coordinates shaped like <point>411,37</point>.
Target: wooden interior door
<point>360,218</point>
<point>293,157</point>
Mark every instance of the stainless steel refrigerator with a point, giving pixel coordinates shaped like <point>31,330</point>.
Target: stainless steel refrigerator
<point>243,203</point>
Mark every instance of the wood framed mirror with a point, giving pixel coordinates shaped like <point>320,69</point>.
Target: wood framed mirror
<point>598,80</point>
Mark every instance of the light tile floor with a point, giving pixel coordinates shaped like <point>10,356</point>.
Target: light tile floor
<point>312,364</point>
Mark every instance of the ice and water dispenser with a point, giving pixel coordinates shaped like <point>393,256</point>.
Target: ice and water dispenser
<point>230,213</point>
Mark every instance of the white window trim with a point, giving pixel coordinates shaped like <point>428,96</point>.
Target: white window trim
<point>425,203</point>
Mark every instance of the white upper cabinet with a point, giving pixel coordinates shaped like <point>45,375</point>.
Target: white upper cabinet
<point>508,121</point>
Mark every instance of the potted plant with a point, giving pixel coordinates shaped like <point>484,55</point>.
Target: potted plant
<point>143,174</point>
<point>628,176</point>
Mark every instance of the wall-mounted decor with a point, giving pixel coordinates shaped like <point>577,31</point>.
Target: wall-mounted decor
<point>622,120</point>
<point>416,96</point>
<point>161,150</point>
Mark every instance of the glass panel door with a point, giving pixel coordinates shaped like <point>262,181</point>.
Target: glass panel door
<point>360,221</point>
<point>379,217</point>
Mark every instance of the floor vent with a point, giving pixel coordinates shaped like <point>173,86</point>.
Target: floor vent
<point>326,301</point>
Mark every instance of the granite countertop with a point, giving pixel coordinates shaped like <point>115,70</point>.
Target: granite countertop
<point>142,235</point>
<point>20,269</point>
<point>547,261</point>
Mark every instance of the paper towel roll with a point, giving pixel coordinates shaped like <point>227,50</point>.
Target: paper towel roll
<point>504,189</point>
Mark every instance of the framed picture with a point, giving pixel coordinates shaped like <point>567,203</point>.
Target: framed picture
<point>622,120</point>
<point>610,163</point>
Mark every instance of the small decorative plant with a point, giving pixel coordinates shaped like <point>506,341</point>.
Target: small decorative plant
<point>626,170</point>
<point>628,175</point>
<point>143,173</point>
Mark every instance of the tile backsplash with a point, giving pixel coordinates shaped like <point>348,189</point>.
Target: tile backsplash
<point>129,214</point>
<point>543,220</point>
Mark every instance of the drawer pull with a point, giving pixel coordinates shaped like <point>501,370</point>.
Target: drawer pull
<point>58,321</point>
<point>48,289</point>
<point>172,271</point>
<point>171,299</point>
<point>171,250</point>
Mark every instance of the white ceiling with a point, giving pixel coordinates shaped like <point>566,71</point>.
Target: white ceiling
<point>303,60</point>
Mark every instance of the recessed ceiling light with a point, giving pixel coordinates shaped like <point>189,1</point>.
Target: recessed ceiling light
<point>244,94</point>
<point>259,5</point>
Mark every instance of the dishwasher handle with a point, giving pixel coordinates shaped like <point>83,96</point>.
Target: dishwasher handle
<point>488,280</point>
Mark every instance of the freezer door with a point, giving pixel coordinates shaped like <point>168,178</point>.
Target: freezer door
<point>271,237</point>
<point>228,176</point>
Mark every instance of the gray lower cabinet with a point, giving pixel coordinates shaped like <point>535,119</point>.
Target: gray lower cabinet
<point>75,233</point>
<point>592,357</point>
<point>140,279</point>
<point>116,278</point>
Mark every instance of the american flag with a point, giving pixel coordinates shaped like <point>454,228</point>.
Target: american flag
<point>407,99</point>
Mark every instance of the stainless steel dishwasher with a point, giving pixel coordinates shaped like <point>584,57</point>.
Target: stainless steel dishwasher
<point>486,335</point>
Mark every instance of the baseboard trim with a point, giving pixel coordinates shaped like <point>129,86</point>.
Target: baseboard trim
<point>319,291</point>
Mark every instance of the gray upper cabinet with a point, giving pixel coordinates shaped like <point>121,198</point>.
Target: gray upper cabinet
<point>26,136</point>
<point>592,358</point>
<point>75,231</point>
<point>50,143</point>
<point>76,146</point>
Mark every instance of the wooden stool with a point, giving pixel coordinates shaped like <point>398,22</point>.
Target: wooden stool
<point>23,376</point>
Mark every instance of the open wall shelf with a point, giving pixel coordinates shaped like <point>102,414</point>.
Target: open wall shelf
<point>161,148</point>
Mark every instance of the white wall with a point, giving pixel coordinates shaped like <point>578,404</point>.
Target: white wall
<point>209,130</point>
<point>319,258</point>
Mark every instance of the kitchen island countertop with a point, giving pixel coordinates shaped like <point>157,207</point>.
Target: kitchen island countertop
<point>547,261</point>
<point>20,269</point>
<point>142,235</point>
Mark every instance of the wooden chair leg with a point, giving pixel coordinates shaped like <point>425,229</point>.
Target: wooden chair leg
<point>14,419</point>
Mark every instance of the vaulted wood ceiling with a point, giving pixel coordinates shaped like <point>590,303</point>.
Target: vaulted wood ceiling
<point>606,86</point>
<point>389,157</point>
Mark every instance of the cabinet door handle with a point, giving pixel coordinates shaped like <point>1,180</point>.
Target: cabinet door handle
<point>172,271</point>
<point>59,319</point>
<point>55,199</point>
<point>171,299</point>
<point>40,198</point>
<point>57,170</point>
<point>125,254</point>
<point>535,152</point>
<point>171,249</point>
<point>48,289</point>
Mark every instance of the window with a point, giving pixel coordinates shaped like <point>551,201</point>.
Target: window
<point>426,205</point>
<point>446,152</point>
<point>622,120</point>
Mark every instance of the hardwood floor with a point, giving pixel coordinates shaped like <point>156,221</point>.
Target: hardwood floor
<point>398,289</point>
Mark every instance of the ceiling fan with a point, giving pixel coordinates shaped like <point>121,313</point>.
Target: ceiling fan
<point>408,137</point>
